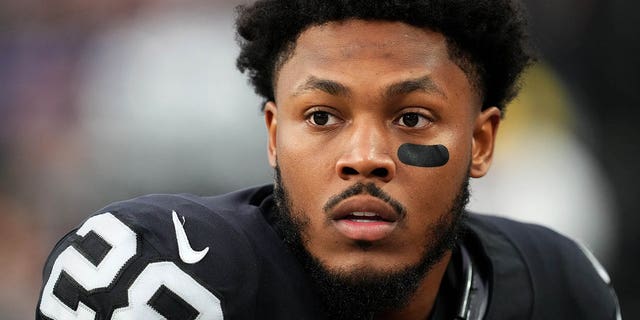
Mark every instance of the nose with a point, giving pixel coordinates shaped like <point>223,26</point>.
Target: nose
<point>367,155</point>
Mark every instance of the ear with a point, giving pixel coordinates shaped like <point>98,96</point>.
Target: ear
<point>484,137</point>
<point>270,118</point>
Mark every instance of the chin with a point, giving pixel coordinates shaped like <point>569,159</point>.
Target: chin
<point>360,287</point>
<point>366,262</point>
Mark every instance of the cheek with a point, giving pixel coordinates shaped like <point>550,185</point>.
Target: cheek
<point>458,142</point>
<point>293,141</point>
<point>305,172</point>
<point>311,159</point>
<point>432,190</point>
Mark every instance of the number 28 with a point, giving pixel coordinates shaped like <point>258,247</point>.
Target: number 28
<point>156,276</point>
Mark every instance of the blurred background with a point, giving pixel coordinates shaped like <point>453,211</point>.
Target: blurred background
<point>106,100</point>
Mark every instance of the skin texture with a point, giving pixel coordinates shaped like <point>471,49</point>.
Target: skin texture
<point>368,80</point>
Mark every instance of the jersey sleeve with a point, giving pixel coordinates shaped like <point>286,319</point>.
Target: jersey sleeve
<point>155,257</point>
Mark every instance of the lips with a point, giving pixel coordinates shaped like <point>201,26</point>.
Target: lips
<point>364,218</point>
<point>365,207</point>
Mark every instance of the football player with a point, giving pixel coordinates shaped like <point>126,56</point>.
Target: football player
<point>378,113</point>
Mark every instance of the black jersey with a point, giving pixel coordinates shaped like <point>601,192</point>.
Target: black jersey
<point>189,257</point>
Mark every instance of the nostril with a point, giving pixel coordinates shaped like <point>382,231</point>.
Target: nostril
<point>380,172</point>
<point>349,171</point>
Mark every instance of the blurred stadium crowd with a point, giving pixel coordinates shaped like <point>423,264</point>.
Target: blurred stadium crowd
<point>109,99</point>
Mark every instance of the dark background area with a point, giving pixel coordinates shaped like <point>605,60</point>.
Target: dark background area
<point>595,47</point>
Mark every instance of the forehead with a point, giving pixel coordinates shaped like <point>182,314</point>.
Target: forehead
<point>346,39</point>
<point>370,52</point>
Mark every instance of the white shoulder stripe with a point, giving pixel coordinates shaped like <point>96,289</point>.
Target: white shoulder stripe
<point>596,264</point>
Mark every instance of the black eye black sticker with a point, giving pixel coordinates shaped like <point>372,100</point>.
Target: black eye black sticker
<point>423,155</point>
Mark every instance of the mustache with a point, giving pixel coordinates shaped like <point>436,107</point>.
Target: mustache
<point>370,189</point>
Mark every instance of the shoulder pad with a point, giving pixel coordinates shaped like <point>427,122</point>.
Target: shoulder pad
<point>558,276</point>
<point>154,257</point>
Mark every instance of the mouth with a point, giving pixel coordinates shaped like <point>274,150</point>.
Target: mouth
<point>364,218</point>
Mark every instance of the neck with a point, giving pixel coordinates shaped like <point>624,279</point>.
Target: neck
<point>421,303</point>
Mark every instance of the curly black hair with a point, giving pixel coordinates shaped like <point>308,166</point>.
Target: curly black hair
<point>486,38</point>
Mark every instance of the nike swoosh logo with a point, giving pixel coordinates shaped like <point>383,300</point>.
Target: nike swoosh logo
<point>187,254</point>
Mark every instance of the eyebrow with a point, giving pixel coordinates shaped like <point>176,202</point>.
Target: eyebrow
<point>329,86</point>
<point>424,84</point>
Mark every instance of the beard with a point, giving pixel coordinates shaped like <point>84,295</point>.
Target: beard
<point>362,293</point>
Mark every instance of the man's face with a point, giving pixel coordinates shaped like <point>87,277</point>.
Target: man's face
<point>347,98</point>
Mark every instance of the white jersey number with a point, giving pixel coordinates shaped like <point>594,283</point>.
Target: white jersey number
<point>167,274</point>
<point>155,279</point>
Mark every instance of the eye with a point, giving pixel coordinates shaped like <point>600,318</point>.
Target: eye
<point>322,118</point>
<point>413,120</point>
